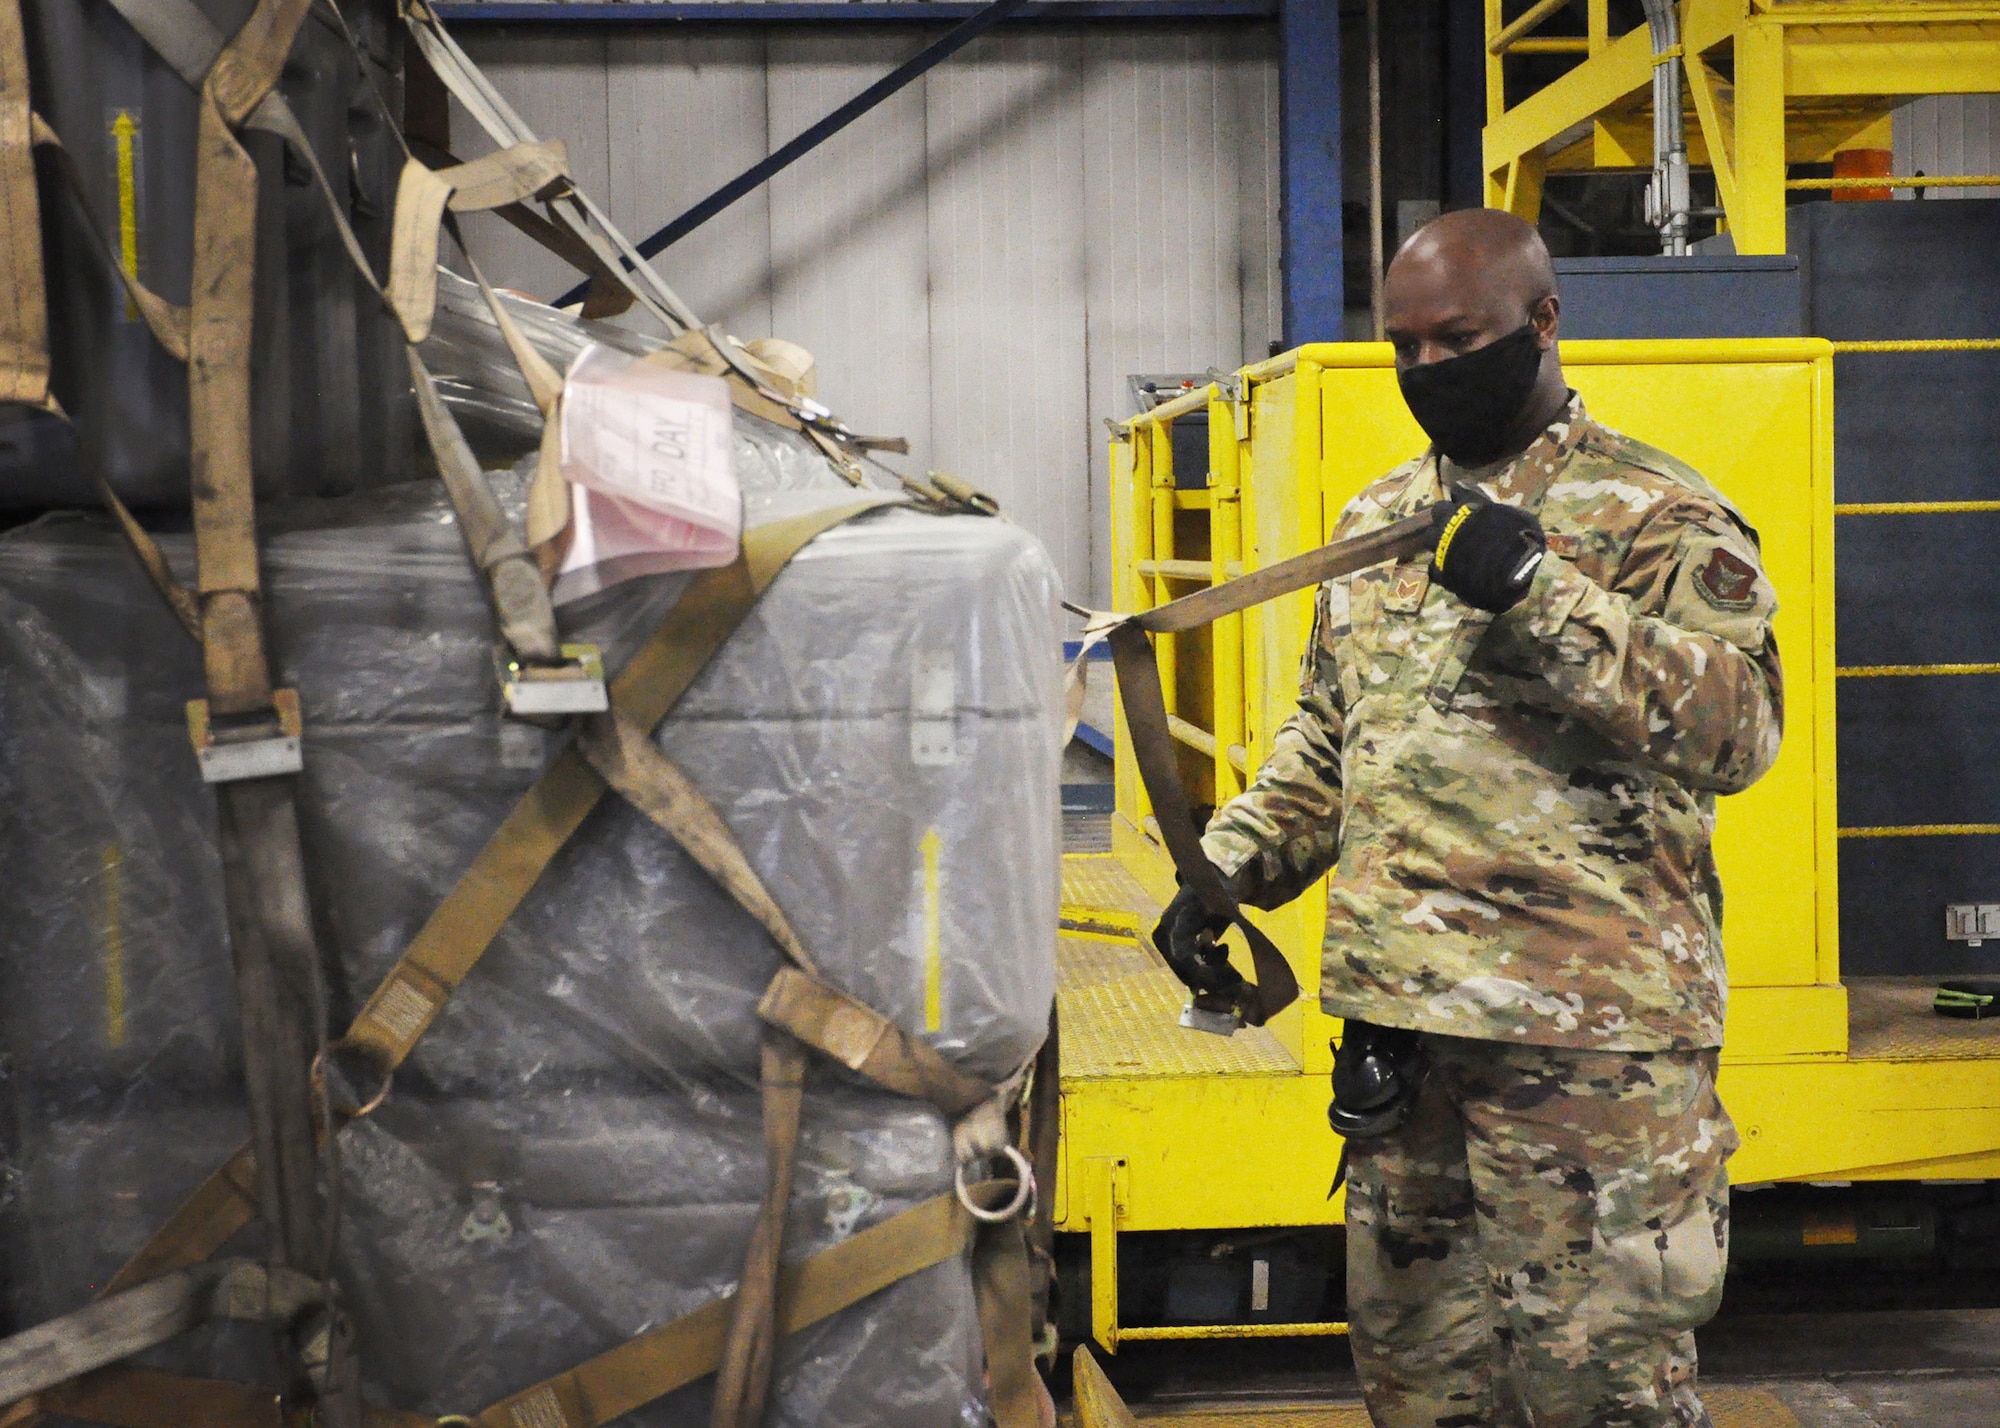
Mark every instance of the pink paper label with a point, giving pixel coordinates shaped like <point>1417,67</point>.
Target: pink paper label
<point>650,456</point>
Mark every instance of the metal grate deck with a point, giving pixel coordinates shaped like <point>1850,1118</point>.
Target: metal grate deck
<point>1120,1009</point>
<point>1890,1019</point>
<point>1098,894</point>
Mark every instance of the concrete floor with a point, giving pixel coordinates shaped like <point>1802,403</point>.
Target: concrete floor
<point>1921,1369</point>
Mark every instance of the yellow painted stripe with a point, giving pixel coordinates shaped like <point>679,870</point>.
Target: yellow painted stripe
<point>1893,181</point>
<point>933,936</point>
<point>124,130</point>
<point>112,861</point>
<point>1923,344</point>
<point>1898,671</point>
<point>1915,508</point>
<point>1926,830</point>
<point>1321,1329</point>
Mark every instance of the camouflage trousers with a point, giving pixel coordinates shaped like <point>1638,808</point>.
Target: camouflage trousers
<point>1536,1247</point>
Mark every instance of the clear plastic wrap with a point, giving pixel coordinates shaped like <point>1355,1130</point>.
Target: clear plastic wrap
<point>593,1082</point>
<point>478,380</point>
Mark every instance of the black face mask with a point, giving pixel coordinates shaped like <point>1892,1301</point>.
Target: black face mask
<point>1468,405</point>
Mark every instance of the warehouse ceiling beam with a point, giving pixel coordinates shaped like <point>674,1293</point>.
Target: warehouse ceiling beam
<point>875,12</point>
<point>1769,83</point>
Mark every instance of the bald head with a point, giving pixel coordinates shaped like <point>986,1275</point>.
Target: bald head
<point>1466,280</point>
<point>1478,272</point>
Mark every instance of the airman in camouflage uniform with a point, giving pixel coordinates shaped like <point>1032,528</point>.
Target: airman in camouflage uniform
<point>1515,811</point>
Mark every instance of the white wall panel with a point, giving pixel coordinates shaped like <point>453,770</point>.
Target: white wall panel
<point>687,113</point>
<point>557,83</point>
<point>1949,134</point>
<point>977,264</point>
<point>1181,148</point>
<point>1007,381</point>
<point>849,231</point>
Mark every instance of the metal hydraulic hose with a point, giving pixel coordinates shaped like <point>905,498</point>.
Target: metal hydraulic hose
<point>1667,196</point>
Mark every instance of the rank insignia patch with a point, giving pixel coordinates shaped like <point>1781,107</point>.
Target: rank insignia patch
<point>1727,581</point>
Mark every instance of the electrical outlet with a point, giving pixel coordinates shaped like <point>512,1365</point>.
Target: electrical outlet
<point>1972,922</point>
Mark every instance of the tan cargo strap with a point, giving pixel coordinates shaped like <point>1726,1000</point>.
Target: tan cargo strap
<point>201,1225</point>
<point>573,209</point>
<point>423,196</point>
<point>656,1363</point>
<point>188,41</point>
<point>451,942</point>
<point>868,1043</point>
<point>799,1007</point>
<point>279,985</point>
<point>445,950</point>
<point>138,1319</point>
<point>1153,746</point>
<point>626,758</point>
<point>520,599</point>
<point>24,314</point>
<point>1041,1132</point>
<point>750,1344</point>
<point>126,1397</point>
<point>182,35</point>
<point>1097,1402</point>
<point>219,336</point>
<point>595,1392</point>
<point>1003,1286</point>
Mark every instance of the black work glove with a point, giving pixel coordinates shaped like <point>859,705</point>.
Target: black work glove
<point>1186,936</point>
<point>1486,553</point>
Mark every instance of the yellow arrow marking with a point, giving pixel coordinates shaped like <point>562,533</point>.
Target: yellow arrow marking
<point>933,938</point>
<point>113,862</point>
<point>123,131</point>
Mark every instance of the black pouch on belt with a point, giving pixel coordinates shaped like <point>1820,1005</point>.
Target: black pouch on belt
<point>1377,1074</point>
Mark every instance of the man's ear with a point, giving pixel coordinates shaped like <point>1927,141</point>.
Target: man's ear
<point>1546,315</point>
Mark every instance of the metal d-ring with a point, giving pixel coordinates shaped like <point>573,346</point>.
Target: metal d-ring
<point>350,1113</point>
<point>1024,1191</point>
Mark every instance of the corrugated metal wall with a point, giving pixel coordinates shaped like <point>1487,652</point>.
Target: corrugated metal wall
<point>1949,134</point>
<point>977,264</point>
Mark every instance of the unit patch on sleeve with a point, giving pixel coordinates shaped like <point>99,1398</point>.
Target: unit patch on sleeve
<point>1727,581</point>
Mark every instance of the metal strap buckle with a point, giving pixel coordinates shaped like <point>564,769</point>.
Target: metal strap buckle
<point>576,686</point>
<point>266,748</point>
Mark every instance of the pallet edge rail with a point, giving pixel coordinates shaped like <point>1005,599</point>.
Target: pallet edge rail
<point>248,733</point>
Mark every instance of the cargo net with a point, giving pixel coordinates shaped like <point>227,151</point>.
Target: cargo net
<point>691,1025</point>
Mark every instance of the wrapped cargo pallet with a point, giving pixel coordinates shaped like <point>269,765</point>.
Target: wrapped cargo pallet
<point>572,1155</point>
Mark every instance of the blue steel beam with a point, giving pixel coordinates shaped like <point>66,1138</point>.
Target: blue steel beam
<point>769,12</point>
<point>1309,171</point>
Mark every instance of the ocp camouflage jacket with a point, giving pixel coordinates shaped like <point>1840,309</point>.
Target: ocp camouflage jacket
<point>1516,811</point>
